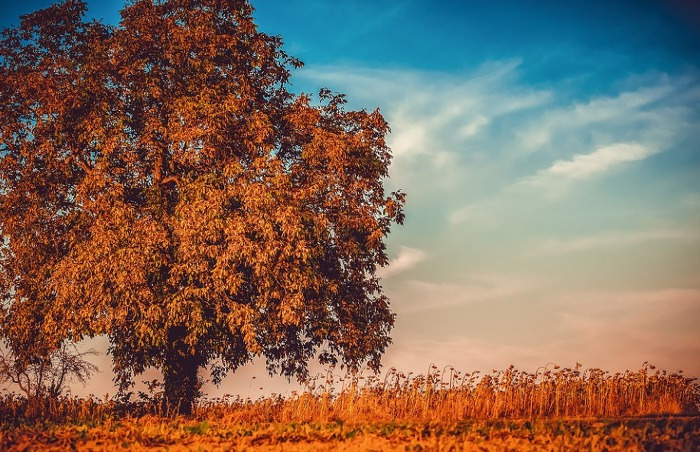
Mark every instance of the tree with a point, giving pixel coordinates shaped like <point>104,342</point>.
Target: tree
<point>160,184</point>
<point>47,376</point>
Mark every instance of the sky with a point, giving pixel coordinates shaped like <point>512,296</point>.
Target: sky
<point>550,152</point>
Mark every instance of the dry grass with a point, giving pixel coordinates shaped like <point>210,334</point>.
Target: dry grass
<point>449,396</point>
<point>550,409</point>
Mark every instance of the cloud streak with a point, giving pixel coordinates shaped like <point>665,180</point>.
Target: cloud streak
<point>582,166</point>
<point>614,330</point>
<point>486,131</point>
<point>422,296</point>
<point>406,259</point>
<point>577,244</point>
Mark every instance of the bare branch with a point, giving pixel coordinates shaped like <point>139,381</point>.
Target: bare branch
<point>48,375</point>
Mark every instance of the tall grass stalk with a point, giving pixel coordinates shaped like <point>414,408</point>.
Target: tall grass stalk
<point>447,395</point>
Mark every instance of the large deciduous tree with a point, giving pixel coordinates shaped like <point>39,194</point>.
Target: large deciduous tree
<point>160,184</point>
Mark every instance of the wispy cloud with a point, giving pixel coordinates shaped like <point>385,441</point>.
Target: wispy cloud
<point>487,131</point>
<point>420,296</point>
<point>406,259</point>
<point>461,214</point>
<point>653,113</point>
<point>634,325</point>
<point>582,166</point>
<point>563,246</point>
<point>437,120</point>
<point>464,354</point>
<point>614,330</point>
<point>664,299</point>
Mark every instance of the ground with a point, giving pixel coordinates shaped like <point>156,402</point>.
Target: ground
<point>680,433</point>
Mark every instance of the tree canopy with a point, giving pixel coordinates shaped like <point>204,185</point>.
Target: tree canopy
<point>160,184</point>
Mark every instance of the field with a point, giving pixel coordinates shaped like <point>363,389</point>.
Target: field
<point>674,433</point>
<point>552,409</point>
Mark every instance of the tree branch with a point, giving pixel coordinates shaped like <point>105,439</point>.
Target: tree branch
<point>171,179</point>
<point>80,161</point>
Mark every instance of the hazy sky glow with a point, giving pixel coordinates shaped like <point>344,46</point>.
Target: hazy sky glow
<point>551,156</point>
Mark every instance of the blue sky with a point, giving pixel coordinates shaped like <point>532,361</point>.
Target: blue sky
<point>551,154</point>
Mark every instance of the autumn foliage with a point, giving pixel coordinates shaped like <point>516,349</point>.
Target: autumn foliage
<point>160,184</point>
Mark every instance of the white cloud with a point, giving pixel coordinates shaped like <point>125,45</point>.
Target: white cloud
<point>436,119</point>
<point>585,165</point>
<point>648,114</point>
<point>473,126</point>
<point>487,133</point>
<point>405,260</point>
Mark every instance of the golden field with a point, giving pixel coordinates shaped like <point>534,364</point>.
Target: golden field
<point>152,433</point>
<point>551,409</point>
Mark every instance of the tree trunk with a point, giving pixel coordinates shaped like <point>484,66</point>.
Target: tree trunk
<point>181,385</point>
